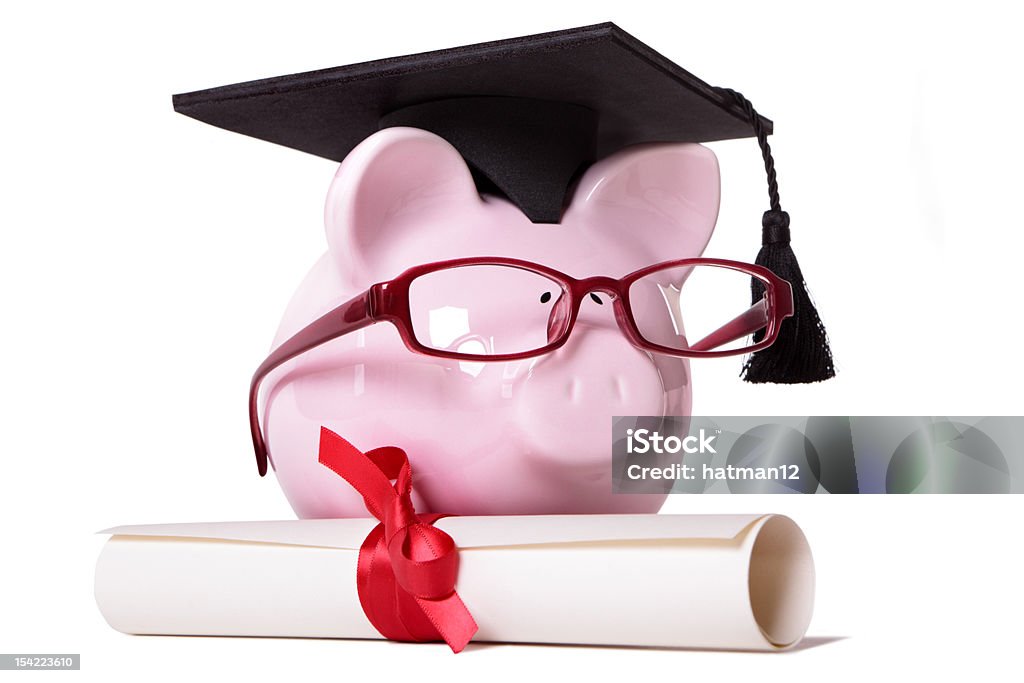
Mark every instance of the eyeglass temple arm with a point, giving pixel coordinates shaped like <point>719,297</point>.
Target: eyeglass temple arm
<point>349,317</point>
<point>748,322</point>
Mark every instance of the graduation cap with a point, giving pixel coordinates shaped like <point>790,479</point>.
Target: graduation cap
<point>529,114</point>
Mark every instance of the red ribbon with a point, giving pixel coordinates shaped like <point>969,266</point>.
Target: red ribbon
<point>407,567</point>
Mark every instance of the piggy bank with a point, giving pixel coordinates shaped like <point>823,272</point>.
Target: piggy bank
<point>484,438</point>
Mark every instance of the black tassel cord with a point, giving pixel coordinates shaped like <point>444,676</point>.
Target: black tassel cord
<point>801,353</point>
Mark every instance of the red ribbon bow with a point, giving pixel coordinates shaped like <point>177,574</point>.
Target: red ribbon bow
<point>407,567</point>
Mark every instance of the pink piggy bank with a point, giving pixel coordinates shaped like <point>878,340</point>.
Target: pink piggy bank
<point>484,438</point>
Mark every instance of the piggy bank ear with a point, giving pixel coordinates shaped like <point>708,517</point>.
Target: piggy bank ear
<point>388,185</point>
<point>660,191</point>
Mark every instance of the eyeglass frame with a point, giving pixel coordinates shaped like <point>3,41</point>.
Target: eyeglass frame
<point>388,301</point>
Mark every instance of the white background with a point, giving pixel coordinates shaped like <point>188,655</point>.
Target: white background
<point>145,260</point>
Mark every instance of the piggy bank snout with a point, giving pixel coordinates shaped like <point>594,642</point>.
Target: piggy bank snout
<point>566,403</point>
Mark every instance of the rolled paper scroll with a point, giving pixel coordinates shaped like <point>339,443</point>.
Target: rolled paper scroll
<point>742,582</point>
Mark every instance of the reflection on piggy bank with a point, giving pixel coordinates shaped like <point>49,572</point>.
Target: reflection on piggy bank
<point>529,436</point>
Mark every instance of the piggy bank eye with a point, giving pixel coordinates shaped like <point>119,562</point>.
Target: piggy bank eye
<point>546,297</point>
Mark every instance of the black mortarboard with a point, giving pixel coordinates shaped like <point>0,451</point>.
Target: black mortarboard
<point>528,114</point>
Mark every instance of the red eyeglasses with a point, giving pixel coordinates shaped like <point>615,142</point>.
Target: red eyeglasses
<point>493,309</point>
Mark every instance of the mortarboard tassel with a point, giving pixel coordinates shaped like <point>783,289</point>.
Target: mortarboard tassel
<point>800,354</point>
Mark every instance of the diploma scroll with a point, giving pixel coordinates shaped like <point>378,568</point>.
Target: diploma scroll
<point>718,581</point>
